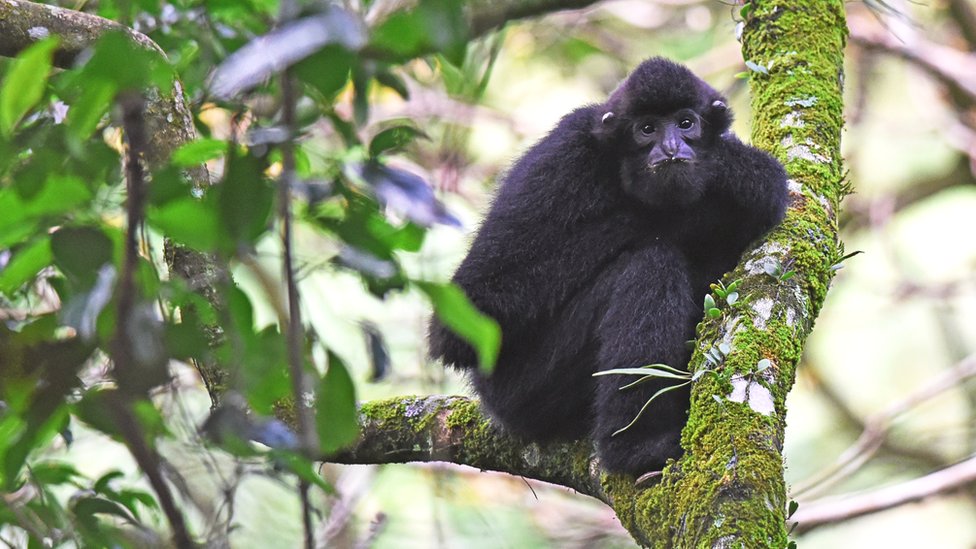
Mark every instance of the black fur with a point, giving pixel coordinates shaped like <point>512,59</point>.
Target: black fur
<point>590,259</point>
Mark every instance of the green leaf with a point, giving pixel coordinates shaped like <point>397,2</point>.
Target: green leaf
<point>394,82</point>
<point>709,302</point>
<point>714,313</point>
<point>199,151</point>
<point>103,484</point>
<point>189,221</point>
<point>95,409</point>
<point>86,112</point>
<point>61,194</point>
<point>393,138</point>
<point>144,67</point>
<point>648,403</point>
<point>54,472</point>
<point>80,251</point>
<point>336,416</point>
<point>187,339</point>
<point>326,70</point>
<point>432,26</point>
<point>245,199</point>
<point>23,85</point>
<point>24,265</point>
<point>732,298</point>
<point>453,77</point>
<point>265,368</point>
<point>169,184</point>
<point>304,468</point>
<point>458,314</point>
<point>701,372</point>
<point>763,365</point>
<point>87,507</point>
<point>45,418</point>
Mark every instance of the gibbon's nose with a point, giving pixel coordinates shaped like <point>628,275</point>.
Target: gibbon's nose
<point>669,146</point>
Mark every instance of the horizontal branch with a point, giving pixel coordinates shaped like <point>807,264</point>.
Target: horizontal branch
<point>23,23</point>
<point>877,426</point>
<point>485,15</point>
<point>953,68</point>
<point>453,429</point>
<point>840,508</point>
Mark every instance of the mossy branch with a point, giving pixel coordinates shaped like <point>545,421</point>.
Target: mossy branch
<point>453,429</point>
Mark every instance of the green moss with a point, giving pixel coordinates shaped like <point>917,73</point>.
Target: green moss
<point>464,414</point>
<point>728,489</point>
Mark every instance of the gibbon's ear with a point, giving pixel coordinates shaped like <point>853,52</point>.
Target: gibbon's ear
<point>605,128</point>
<point>719,116</point>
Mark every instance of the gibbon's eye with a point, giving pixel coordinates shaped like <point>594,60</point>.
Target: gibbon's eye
<point>647,129</point>
<point>686,123</point>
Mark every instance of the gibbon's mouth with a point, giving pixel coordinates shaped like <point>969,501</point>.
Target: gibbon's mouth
<point>669,162</point>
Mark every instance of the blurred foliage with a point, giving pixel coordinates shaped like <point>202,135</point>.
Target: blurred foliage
<point>379,112</point>
<point>64,246</point>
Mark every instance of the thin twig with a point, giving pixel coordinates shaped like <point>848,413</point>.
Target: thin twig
<point>836,509</point>
<point>146,457</point>
<point>293,330</point>
<point>876,427</point>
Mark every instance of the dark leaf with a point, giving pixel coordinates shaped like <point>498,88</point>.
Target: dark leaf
<point>360,95</point>
<point>457,313</point>
<point>52,472</point>
<point>327,70</point>
<point>379,356</point>
<point>274,433</point>
<point>336,416</point>
<point>394,82</point>
<point>272,53</point>
<point>80,252</point>
<point>304,468</point>
<point>83,308</point>
<point>245,199</point>
<point>407,194</point>
<point>366,263</point>
<point>85,507</point>
<point>102,485</point>
<point>393,138</point>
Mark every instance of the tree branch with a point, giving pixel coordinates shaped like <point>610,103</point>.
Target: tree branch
<point>953,68</point>
<point>878,425</point>
<point>486,15</point>
<point>453,429</point>
<point>840,508</point>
